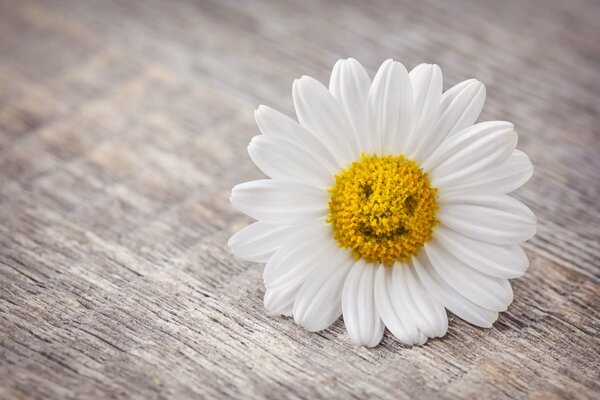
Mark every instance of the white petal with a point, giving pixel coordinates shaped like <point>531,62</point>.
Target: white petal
<point>318,303</point>
<point>280,201</point>
<point>502,261</point>
<point>460,107</point>
<point>279,300</point>
<point>350,84</point>
<point>322,115</point>
<point>410,317</point>
<point>287,270</point>
<point>462,104</point>
<point>449,297</point>
<point>361,318</point>
<point>430,315</point>
<point>258,241</point>
<point>394,303</point>
<point>309,247</point>
<point>272,123</point>
<point>426,82</point>
<point>509,176</point>
<point>494,219</point>
<point>281,159</point>
<point>489,292</point>
<point>471,153</point>
<point>389,108</point>
<point>391,305</point>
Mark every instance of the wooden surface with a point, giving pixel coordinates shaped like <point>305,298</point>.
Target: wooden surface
<point>123,126</point>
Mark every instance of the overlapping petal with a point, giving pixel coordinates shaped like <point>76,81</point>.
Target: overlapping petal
<point>426,82</point>
<point>320,113</point>
<point>361,318</point>
<point>288,269</point>
<point>449,297</point>
<point>471,153</point>
<point>501,261</point>
<point>285,160</point>
<point>259,241</point>
<point>318,303</point>
<point>500,219</point>
<point>310,240</point>
<point>509,176</point>
<point>460,107</point>
<point>389,108</point>
<point>350,84</point>
<point>429,315</point>
<point>391,302</point>
<point>487,291</point>
<point>280,202</point>
<point>272,123</point>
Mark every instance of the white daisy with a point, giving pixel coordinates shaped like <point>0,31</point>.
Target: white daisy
<point>386,205</point>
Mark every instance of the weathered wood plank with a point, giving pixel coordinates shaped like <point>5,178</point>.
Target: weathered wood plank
<point>123,126</point>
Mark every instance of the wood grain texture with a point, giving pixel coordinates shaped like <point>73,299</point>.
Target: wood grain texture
<point>123,126</point>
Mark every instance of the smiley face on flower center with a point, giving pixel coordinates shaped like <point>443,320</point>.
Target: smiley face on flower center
<point>382,208</point>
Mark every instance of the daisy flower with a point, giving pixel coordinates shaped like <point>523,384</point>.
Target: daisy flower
<point>386,204</point>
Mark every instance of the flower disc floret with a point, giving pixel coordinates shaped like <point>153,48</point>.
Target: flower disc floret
<point>382,208</point>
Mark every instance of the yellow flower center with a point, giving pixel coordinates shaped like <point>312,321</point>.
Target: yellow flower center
<point>382,208</point>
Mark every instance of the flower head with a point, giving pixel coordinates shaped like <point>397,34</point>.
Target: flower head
<point>387,204</point>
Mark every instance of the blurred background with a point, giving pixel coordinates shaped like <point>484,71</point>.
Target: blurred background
<point>124,124</point>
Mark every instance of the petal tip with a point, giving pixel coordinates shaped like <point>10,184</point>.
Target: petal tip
<point>232,243</point>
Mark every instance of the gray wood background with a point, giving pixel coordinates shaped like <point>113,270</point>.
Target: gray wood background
<point>123,126</point>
